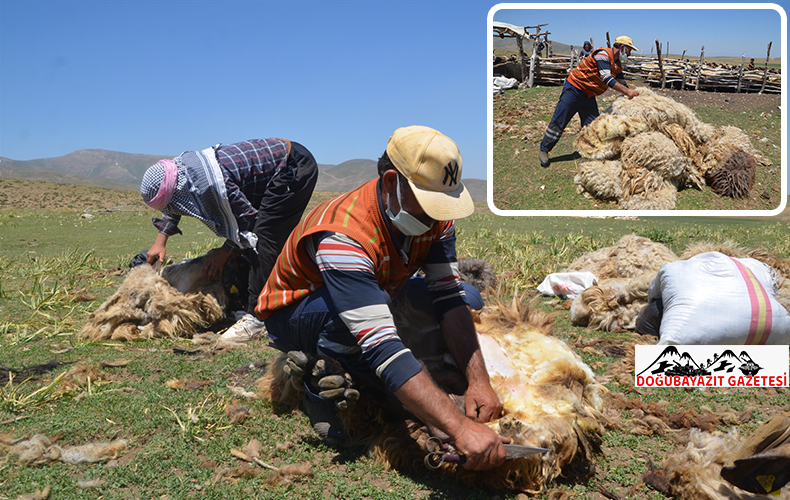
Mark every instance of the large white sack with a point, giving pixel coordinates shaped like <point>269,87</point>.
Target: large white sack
<point>715,299</point>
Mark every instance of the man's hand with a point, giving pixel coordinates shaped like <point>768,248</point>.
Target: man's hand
<point>157,251</point>
<point>215,262</point>
<point>630,93</point>
<point>482,403</point>
<point>481,446</point>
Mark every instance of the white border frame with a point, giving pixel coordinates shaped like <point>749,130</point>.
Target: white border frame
<point>645,213</point>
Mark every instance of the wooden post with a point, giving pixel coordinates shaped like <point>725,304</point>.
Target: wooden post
<point>740,73</point>
<point>592,43</point>
<point>573,56</point>
<point>683,56</point>
<point>661,65</point>
<point>609,45</point>
<point>699,69</point>
<point>520,42</point>
<point>667,52</point>
<point>683,83</point>
<point>765,71</point>
<point>549,52</point>
<point>531,81</point>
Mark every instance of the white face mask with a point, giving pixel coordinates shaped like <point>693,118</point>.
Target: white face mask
<point>623,56</point>
<point>404,221</point>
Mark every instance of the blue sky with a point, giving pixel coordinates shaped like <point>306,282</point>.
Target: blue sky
<point>723,32</point>
<point>161,77</point>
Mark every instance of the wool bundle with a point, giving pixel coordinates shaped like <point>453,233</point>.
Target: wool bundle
<point>550,399</point>
<point>603,141</point>
<point>661,146</point>
<point>603,174</point>
<point>735,178</point>
<point>147,305</point>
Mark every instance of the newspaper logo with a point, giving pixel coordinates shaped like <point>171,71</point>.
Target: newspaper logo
<point>711,366</point>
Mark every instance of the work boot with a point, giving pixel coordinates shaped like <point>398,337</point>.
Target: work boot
<point>247,328</point>
<point>773,433</point>
<point>762,473</point>
<point>544,159</point>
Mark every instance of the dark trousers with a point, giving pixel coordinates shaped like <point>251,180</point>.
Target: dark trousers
<point>280,211</point>
<point>302,326</point>
<point>572,101</point>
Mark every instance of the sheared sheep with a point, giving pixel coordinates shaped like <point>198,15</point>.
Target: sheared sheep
<point>179,302</point>
<point>656,146</point>
<point>694,472</point>
<point>549,395</point>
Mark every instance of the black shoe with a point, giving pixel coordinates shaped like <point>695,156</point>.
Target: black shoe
<point>544,159</point>
<point>324,418</point>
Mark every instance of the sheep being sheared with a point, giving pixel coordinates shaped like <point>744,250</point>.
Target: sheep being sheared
<point>549,395</point>
<point>179,302</point>
<point>648,147</point>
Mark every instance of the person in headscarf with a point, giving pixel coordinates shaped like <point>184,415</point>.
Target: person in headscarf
<point>251,193</point>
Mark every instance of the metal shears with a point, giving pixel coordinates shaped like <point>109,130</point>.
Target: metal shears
<point>440,453</point>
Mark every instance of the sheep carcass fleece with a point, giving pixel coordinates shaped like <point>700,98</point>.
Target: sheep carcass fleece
<point>178,302</point>
<point>694,472</point>
<point>650,146</point>
<point>550,399</point>
<point>625,270</point>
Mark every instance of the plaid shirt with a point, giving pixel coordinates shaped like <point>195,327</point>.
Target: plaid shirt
<point>247,168</point>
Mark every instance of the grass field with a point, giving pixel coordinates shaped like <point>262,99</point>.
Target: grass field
<point>522,115</point>
<point>56,267</point>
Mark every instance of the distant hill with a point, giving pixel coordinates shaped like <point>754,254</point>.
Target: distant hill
<point>94,163</point>
<point>114,170</point>
<point>556,47</point>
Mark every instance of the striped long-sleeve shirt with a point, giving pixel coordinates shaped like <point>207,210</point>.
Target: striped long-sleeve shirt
<point>597,72</point>
<point>345,245</point>
<point>349,276</point>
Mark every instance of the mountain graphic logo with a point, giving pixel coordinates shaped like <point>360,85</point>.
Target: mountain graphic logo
<point>673,363</point>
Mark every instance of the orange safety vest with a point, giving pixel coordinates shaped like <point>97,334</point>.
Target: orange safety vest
<point>355,214</point>
<point>586,76</point>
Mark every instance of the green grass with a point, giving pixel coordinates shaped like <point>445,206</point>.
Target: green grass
<point>56,268</point>
<point>519,183</point>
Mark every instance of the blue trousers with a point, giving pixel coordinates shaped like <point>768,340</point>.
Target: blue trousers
<point>572,101</point>
<point>302,325</point>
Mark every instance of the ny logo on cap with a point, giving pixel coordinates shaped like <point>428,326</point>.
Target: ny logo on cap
<point>450,173</point>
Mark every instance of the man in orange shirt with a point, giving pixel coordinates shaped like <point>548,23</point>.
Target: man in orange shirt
<point>598,72</point>
<point>330,292</point>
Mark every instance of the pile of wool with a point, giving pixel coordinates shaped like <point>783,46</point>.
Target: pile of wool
<point>549,395</point>
<point>178,302</point>
<point>648,147</point>
<point>625,270</point>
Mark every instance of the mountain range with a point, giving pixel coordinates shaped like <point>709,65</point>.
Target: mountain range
<point>116,170</point>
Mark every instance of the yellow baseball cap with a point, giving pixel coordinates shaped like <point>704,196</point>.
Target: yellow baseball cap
<point>432,164</point>
<point>626,40</point>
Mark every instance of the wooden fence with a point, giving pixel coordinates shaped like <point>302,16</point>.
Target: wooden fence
<point>654,71</point>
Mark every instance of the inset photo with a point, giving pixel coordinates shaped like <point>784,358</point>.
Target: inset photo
<point>642,109</point>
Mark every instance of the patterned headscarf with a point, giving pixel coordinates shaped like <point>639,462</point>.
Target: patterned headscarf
<point>159,183</point>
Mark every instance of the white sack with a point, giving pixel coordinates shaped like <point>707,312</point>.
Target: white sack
<point>502,83</point>
<point>709,299</point>
<point>567,285</point>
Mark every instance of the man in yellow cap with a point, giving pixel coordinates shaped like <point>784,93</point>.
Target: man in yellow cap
<point>596,73</point>
<point>329,296</point>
